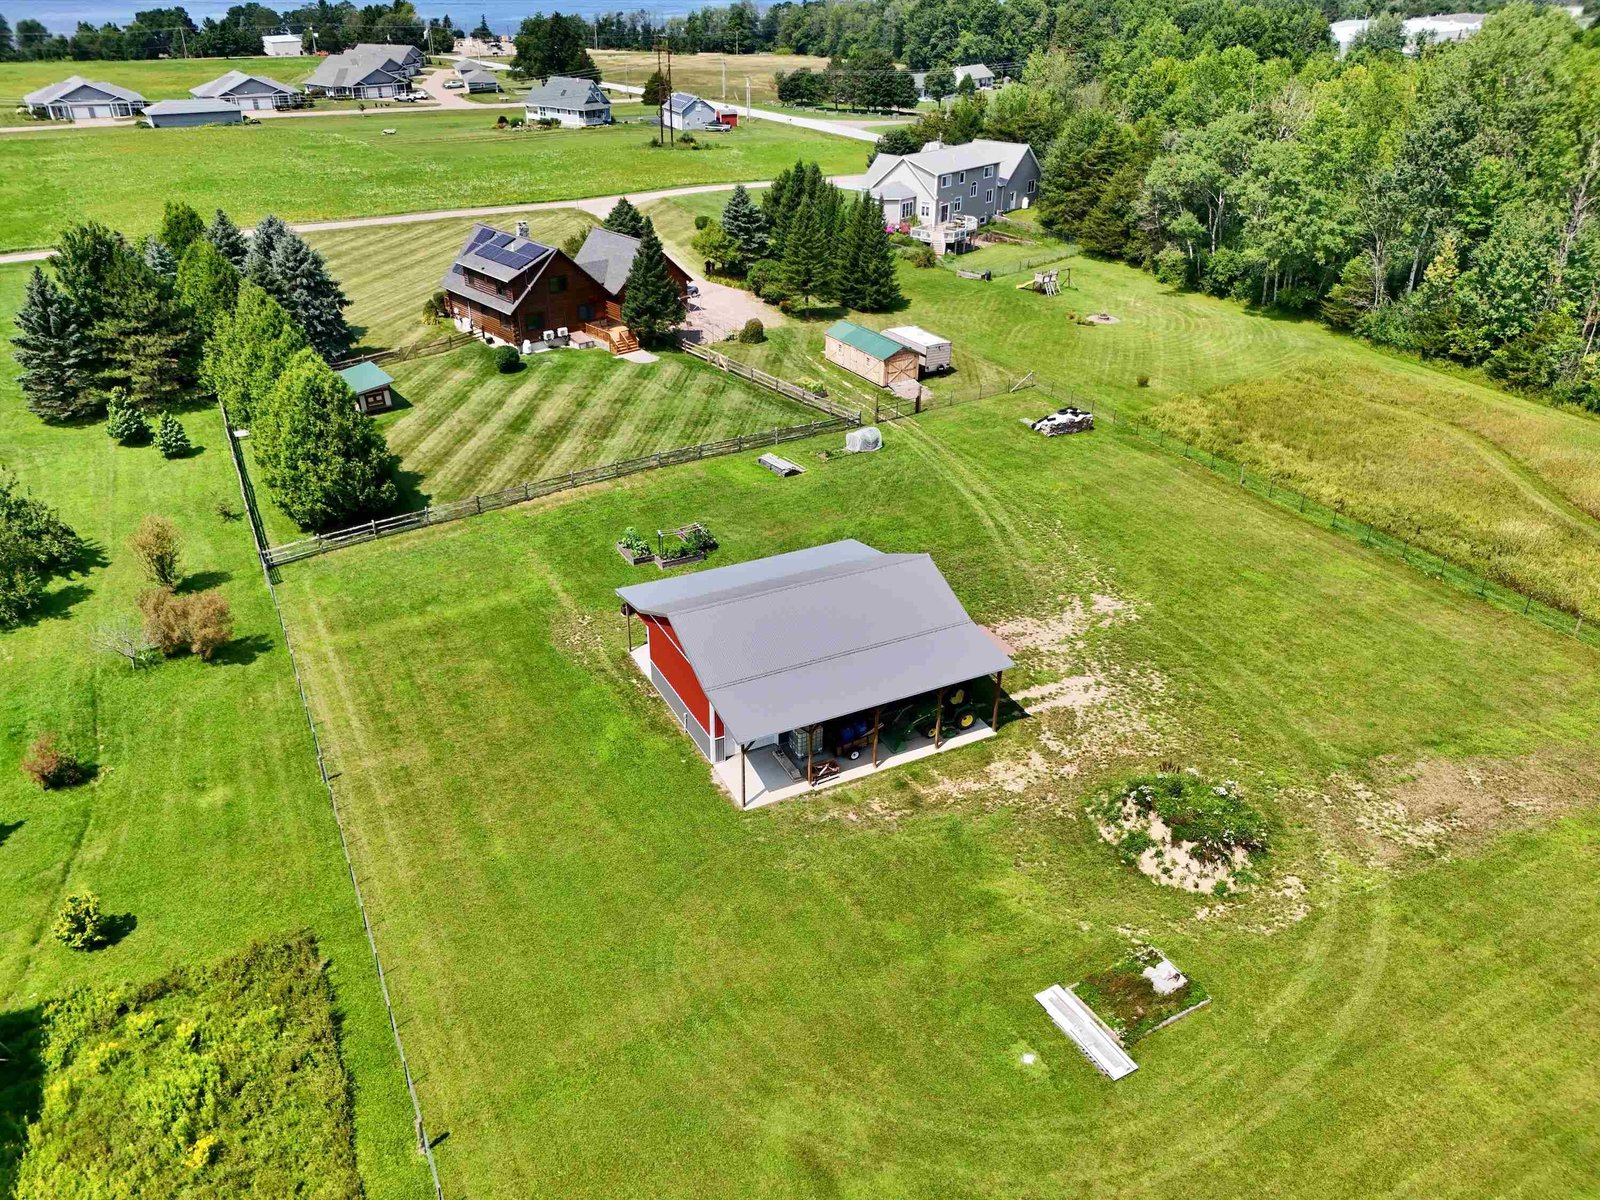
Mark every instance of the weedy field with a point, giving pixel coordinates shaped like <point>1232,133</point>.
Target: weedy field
<point>330,167</point>
<point>615,974</point>
<point>206,822</point>
<point>703,74</point>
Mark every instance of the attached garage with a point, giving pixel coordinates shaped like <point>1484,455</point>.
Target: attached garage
<point>870,355</point>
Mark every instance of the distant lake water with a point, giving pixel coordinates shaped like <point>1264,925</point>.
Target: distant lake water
<point>62,16</point>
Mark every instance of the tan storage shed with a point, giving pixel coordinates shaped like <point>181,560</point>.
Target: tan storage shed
<point>870,355</point>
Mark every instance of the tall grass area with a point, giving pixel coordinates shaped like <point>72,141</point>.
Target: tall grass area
<point>703,74</point>
<point>833,996</point>
<point>214,1080</point>
<point>328,167</point>
<point>206,821</point>
<point>1503,485</point>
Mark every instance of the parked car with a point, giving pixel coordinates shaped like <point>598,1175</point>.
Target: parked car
<point>453,85</point>
<point>1064,420</point>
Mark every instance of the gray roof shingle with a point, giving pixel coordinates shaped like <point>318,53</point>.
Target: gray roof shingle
<point>565,91</point>
<point>55,91</point>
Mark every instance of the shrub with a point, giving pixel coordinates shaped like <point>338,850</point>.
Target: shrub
<point>506,359</point>
<point>686,139</point>
<point>124,422</point>
<point>200,624</point>
<point>80,925</point>
<point>51,766</point>
<point>159,549</point>
<point>633,542</point>
<point>546,122</point>
<point>171,439</point>
<point>922,257</point>
<point>699,540</point>
<point>765,279</point>
<point>433,308</point>
<point>701,220</point>
<point>753,332</point>
<point>1212,816</point>
<point>1142,381</point>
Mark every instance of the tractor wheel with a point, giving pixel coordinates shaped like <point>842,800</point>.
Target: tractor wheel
<point>966,720</point>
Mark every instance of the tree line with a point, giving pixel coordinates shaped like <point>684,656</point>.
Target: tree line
<point>120,332</point>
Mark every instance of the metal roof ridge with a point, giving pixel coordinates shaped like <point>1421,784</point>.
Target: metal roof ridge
<point>822,658</point>
<point>841,570</point>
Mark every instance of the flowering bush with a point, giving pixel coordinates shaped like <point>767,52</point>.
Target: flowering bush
<point>1214,816</point>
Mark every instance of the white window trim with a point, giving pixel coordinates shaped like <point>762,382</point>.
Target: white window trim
<point>988,172</point>
<point>974,190</point>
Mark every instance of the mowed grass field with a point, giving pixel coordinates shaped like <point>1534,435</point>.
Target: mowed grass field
<point>328,167</point>
<point>1506,486</point>
<point>703,74</point>
<point>206,821</point>
<point>154,79</point>
<point>632,988</point>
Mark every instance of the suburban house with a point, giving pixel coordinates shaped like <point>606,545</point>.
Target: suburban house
<point>366,72</point>
<point>869,354</point>
<point>169,114</point>
<point>78,99</point>
<point>372,386</point>
<point>249,93</point>
<point>981,76</point>
<point>476,76</point>
<point>281,45</point>
<point>505,287</point>
<point>941,194</point>
<point>814,666</point>
<point>572,102</point>
<point>689,113</point>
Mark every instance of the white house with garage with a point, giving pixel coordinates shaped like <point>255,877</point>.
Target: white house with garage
<point>248,93</point>
<point>689,113</point>
<point>572,102</point>
<point>78,99</point>
<point>942,194</point>
<point>281,45</point>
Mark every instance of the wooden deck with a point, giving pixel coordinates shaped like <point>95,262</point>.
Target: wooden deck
<point>615,335</point>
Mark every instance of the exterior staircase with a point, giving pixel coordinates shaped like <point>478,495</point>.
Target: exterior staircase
<point>617,336</point>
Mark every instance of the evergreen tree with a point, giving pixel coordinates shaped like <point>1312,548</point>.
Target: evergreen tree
<point>311,295</point>
<point>745,224</point>
<point>655,90</point>
<point>1108,229</point>
<point>258,259</point>
<point>325,462</point>
<point>779,204</point>
<point>180,226</point>
<point>171,439</point>
<point>651,303</point>
<point>84,259</point>
<point>207,284</point>
<point>805,268</point>
<point>869,282</point>
<point>125,424</point>
<point>247,351</point>
<point>7,42</point>
<point>158,258</point>
<point>55,353</point>
<point>225,236</point>
<point>148,344</point>
<point>625,218</point>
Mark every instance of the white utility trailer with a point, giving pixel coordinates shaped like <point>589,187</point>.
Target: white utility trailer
<point>932,351</point>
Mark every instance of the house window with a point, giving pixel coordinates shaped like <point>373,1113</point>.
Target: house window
<point>988,172</point>
<point>585,312</point>
<point>1033,186</point>
<point>558,284</point>
<point>988,195</point>
<point>958,203</point>
<point>535,323</point>
<point>926,211</point>
<point>907,208</point>
<point>962,178</point>
<point>944,181</point>
<point>974,190</point>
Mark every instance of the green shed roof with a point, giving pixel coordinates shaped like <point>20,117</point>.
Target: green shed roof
<point>365,377</point>
<point>865,340</point>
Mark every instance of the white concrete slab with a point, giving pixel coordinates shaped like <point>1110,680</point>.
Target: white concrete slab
<point>1092,1035</point>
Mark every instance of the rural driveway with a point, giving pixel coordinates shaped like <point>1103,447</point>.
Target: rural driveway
<point>837,128</point>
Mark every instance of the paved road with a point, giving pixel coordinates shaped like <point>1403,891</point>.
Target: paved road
<point>837,128</point>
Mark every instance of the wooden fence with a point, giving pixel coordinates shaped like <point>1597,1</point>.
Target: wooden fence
<point>277,556</point>
<point>783,387</point>
<point>439,346</point>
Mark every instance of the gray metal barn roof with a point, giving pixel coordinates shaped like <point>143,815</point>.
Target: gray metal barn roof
<point>788,641</point>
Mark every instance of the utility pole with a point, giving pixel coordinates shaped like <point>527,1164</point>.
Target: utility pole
<point>724,78</point>
<point>747,97</point>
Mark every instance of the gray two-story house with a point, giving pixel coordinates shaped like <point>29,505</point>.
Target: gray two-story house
<point>942,194</point>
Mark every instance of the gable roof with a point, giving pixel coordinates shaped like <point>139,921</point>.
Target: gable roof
<point>564,91</point>
<point>681,102</point>
<point>608,256</point>
<point>787,641</point>
<point>977,70</point>
<point>56,91</point>
<point>349,70</point>
<point>171,108</point>
<point>937,159</point>
<point>222,85</point>
<point>365,377</point>
<point>866,340</point>
<point>479,77</point>
<point>503,257</point>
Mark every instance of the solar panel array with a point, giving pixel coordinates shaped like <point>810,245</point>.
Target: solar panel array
<point>502,248</point>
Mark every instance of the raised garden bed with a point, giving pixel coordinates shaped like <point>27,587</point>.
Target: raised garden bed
<point>689,544</point>
<point>1140,994</point>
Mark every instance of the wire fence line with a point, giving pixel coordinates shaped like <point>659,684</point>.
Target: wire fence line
<point>257,534</point>
<point>438,514</point>
<point>783,387</point>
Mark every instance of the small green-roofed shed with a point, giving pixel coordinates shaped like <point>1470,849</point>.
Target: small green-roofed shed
<point>371,384</point>
<point>869,354</point>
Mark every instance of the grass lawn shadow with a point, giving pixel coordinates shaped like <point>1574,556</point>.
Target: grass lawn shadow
<point>7,828</point>
<point>242,651</point>
<point>201,581</point>
<point>21,1086</point>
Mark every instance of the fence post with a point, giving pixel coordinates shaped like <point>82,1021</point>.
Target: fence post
<point>1578,628</point>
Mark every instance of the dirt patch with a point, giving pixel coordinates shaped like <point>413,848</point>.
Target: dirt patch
<point>1175,863</point>
<point>1102,319</point>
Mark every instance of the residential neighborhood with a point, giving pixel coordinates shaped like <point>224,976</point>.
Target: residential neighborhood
<point>850,599</point>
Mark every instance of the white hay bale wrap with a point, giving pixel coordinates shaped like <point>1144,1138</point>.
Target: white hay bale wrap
<point>858,441</point>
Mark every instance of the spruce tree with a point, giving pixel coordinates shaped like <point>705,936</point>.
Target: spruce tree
<point>311,295</point>
<point>171,439</point>
<point>225,236</point>
<point>85,256</point>
<point>655,90</point>
<point>805,268</point>
<point>207,284</point>
<point>257,267</point>
<point>745,224</point>
<point>625,218</point>
<point>180,226</point>
<point>778,205</point>
<point>158,257</point>
<point>148,343</point>
<point>55,352</point>
<point>872,261</point>
<point>325,463</point>
<point>651,303</point>
<point>125,424</point>
<point>247,351</point>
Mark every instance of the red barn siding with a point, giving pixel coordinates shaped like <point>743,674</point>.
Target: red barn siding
<point>667,657</point>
